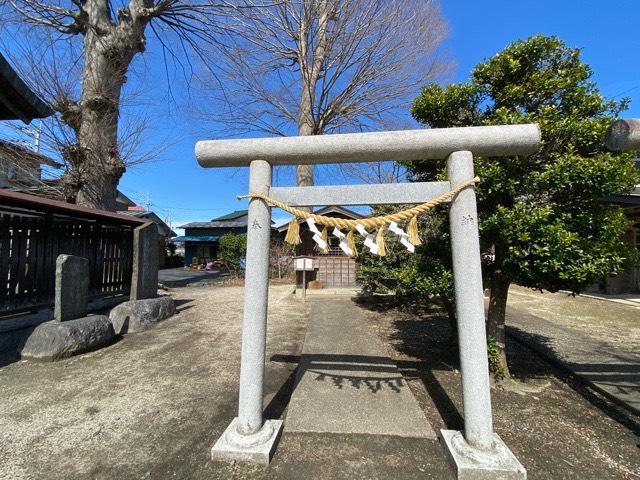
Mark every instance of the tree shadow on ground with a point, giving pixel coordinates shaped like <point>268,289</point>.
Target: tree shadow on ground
<point>422,336</point>
<point>582,383</point>
<point>422,332</point>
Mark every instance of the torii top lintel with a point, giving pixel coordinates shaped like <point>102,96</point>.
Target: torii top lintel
<point>425,144</point>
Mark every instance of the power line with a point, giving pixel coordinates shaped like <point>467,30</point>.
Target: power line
<point>145,199</point>
<point>192,209</point>
<point>627,91</point>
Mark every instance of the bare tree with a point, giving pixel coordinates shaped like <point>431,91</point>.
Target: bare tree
<point>101,38</point>
<point>374,172</point>
<point>280,256</point>
<point>309,67</point>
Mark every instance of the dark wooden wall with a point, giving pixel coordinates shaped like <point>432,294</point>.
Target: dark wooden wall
<point>334,269</point>
<point>31,242</point>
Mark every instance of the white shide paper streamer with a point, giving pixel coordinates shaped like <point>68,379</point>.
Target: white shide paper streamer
<point>369,239</point>
<point>344,245</point>
<point>404,236</point>
<point>316,234</point>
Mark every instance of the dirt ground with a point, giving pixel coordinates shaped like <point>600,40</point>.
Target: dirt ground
<point>618,323</point>
<point>151,405</point>
<point>597,340</point>
<point>556,428</point>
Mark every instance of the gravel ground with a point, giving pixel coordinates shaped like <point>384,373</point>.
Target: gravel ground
<point>149,406</point>
<point>618,323</point>
<point>558,430</point>
<point>597,340</point>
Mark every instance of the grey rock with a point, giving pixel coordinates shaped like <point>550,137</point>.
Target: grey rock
<point>139,315</point>
<point>72,287</point>
<point>55,340</point>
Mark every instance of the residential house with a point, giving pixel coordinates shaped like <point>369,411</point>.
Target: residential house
<point>629,281</point>
<point>200,239</point>
<point>164,231</point>
<point>334,268</point>
<point>21,168</point>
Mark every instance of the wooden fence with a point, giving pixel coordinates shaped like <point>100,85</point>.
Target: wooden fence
<point>31,240</point>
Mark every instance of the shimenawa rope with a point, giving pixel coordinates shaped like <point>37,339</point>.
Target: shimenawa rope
<point>379,222</point>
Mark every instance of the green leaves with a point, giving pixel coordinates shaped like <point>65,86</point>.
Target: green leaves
<point>232,247</point>
<point>554,247</point>
<point>453,106</point>
<point>544,213</point>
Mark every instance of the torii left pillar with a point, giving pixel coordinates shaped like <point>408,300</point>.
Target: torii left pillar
<point>248,437</point>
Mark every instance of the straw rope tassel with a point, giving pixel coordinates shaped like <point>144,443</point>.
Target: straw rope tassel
<point>325,237</point>
<point>380,242</point>
<point>293,232</point>
<point>412,231</point>
<point>351,243</point>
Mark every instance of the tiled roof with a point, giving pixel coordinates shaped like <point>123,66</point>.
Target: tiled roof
<point>195,238</point>
<point>18,100</point>
<point>232,216</point>
<point>216,224</point>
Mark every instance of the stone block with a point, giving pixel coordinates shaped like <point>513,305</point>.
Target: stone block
<point>470,463</point>
<point>144,279</point>
<point>55,340</point>
<point>315,285</point>
<point>254,449</point>
<point>72,288</point>
<point>139,315</point>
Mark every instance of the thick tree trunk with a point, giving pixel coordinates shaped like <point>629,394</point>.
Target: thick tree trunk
<point>108,51</point>
<point>451,314</point>
<point>311,70</point>
<point>304,173</point>
<point>499,284</point>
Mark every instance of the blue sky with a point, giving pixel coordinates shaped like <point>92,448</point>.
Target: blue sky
<point>607,33</point>
<point>477,30</point>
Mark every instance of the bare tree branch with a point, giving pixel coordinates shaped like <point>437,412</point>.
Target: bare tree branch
<point>101,38</point>
<point>309,67</point>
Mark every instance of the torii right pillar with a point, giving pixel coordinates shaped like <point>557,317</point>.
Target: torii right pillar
<point>478,452</point>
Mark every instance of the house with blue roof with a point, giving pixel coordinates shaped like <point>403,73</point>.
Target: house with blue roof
<point>200,239</point>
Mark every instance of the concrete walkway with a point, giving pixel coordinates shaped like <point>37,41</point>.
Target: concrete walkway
<point>598,341</point>
<point>630,299</point>
<point>346,382</point>
<point>182,277</point>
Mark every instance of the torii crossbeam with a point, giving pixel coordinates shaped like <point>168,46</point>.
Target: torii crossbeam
<point>477,451</point>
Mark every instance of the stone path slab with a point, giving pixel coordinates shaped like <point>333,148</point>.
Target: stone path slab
<point>346,382</point>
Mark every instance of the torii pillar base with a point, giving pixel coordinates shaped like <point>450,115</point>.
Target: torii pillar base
<point>497,463</point>
<point>255,449</point>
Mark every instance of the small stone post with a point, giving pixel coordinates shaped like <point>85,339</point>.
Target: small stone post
<point>72,288</point>
<point>248,438</point>
<point>479,452</point>
<point>144,278</point>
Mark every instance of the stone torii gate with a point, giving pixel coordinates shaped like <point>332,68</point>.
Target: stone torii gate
<point>475,453</point>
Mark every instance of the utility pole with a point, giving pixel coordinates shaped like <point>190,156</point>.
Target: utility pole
<point>36,135</point>
<point>148,204</point>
